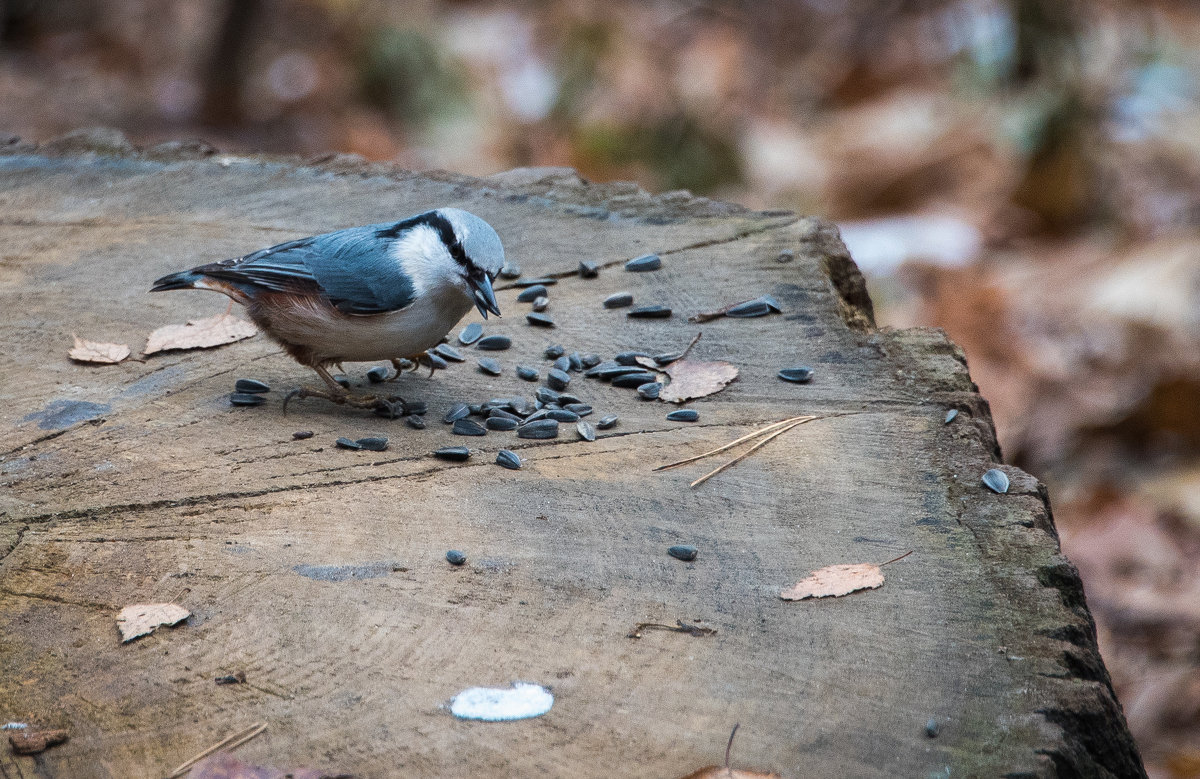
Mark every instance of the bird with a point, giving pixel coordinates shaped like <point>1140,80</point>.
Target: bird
<point>376,292</point>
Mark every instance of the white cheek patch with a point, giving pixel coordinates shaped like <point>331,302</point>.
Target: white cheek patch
<point>424,259</point>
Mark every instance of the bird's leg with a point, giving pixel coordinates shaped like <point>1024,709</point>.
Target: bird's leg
<point>338,394</point>
<point>402,364</point>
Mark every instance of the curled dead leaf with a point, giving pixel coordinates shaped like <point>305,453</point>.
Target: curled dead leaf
<point>142,618</point>
<point>691,379</point>
<point>835,580</point>
<point>200,334</point>
<point>96,352</point>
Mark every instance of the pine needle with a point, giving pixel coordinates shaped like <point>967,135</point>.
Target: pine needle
<point>229,742</point>
<point>751,450</point>
<point>743,439</point>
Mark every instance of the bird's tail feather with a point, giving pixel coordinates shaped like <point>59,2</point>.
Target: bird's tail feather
<point>182,280</point>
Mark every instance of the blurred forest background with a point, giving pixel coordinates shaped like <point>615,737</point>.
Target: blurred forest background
<point>1022,173</point>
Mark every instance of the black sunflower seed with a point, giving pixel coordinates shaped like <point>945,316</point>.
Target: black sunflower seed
<point>575,360</point>
<point>562,415</point>
<point>588,270</point>
<point>996,480</point>
<point>346,443</point>
<point>557,379</point>
<point>373,443</point>
<point>457,411</point>
<point>629,358</point>
<point>545,282</point>
<point>503,413</point>
<point>563,363</point>
<point>455,453</point>
<point>490,366</point>
<point>246,399</point>
<point>300,435</point>
<point>751,308</point>
<point>649,312</point>
<point>251,386</point>
<point>554,352</point>
<point>547,395</point>
<point>455,557</point>
<point>415,422</point>
<point>508,459</point>
<point>541,304</point>
<point>585,430</point>
<point>633,380</point>
<point>619,300</point>
<point>666,359</point>
<point>650,391</point>
<point>500,423</point>
<point>950,415</point>
<point>448,352</point>
<point>683,415</point>
<point>590,360</point>
<point>343,381</point>
<point>530,294</point>
<point>510,271</point>
<point>608,421</point>
<point>470,334</point>
<point>582,409</point>
<point>418,407</point>
<point>801,374</point>
<point>540,428</point>
<point>522,407</point>
<point>644,263</point>
<point>566,397</point>
<point>772,303</point>
<point>377,374</point>
<point>526,373</point>
<point>468,427</point>
<point>431,360</point>
<point>683,552</point>
<point>494,343</point>
<point>539,320</point>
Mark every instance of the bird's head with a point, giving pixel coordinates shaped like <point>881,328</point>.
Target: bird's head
<point>477,252</point>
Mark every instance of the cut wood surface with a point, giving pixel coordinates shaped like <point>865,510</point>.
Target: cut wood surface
<point>320,573</point>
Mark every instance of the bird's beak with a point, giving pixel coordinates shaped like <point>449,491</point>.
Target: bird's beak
<point>485,298</point>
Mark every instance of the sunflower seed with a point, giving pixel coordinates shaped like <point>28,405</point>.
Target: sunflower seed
<point>455,557</point>
<point>346,443</point>
<point>950,415</point>
<point>539,320</point>
<point>342,381</point>
<point>787,255</point>
<point>510,271</point>
<point>500,423</point>
<point>541,304</point>
<point>563,363</point>
<point>650,390</point>
<point>300,435</point>
<point>582,409</point>
<point>588,270</point>
<point>457,411</point>
<point>377,374</point>
<point>490,366</point>
<point>373,444</point>
<point>541,428</point>
<point>246,399</point>
<point>801,374</point>
<point>522,407</point>
<point>431,360</point>
<point>470,334</point>
<point>629,358</point>
<point>617,370</point>
<point>585,430</point>
<point>644,263</point>
<point>619,300</point>
<point>576,361</point>
<point>751,308</point>
<point>418,407</point>
<point>251,386</point>
<point>683,415</point>
<point>649,312</point>
<point>566,397</point>
<point>541,413</point>
<point>607,421</point>
<point>633,380</point>
<point>388,411</point>
<point>772,303</point>
<point>508,459</point>
<point>494,343</point>
<point>554,352</point>
<point>545,282</point>
<point>557,379</point>
<point>547,395</point>
<point>590,360</point>
<point>530,294</point>
<point>448,352</point>
<point>666,359</point>
<point>454,453</point>
<point>562,415</point>
<point>683,552</point>
<point>932,728</point>
<point>528,374</point>
<point>467,427</point>
<point>996,480</point>
<point>502,413</point>
<point>415,422</point>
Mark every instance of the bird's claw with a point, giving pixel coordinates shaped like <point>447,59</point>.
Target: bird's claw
<point>388,405</point>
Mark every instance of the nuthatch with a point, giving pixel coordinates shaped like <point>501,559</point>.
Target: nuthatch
<point>378,292</point>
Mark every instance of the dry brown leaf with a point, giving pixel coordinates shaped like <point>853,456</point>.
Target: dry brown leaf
<point>835,580</point>
<point>142,618</point>
<point>201,334</point>
<point>95,352</point>
<point>721,772</point>
<point>691,379</point>
<point>30,742</point>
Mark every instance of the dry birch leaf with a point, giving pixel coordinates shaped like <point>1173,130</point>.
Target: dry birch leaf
<point>142,618</point>
<point>95,352</point>
<point>835,580</point>
<point>690,379</point>
<point>201,334</point>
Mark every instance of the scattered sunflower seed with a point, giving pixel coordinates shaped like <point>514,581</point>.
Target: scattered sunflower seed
<point>471,333</point>
<point>500,423</point>
<point>545,282</point>
<point>494,343</point>
<point>557,379</point>
<point>489,366</point>
<point>539,320</point>
<point>455,557</point>
<point>607,421</point>
<point>467,427</point>
<point>346,443</point>
<point>554,352</point>
<point>644,263</point>
<point>619,300</point>
<point>541,304</point>
<point>503,413</point>
<point>787,255</point>
<point>612,372</point>
<point>932,728</point>
<point>650,390</point>
<point>300,435</point>
<point>377,374</point>
<point>588,270</point>
<point>508,459</point>
<point>252,386</point>
<point>751,308</point>
<point>431,360</point>
<point>530,294</point>
<point>575,360</point>
<point>418,407</point>
<point>526,373</point>
<point>566,397</point>
<point>454,453</point>
<point>683,552</point>
<point>448,352</point>
<point>343,381</point>
<point>801,374</point>
<point>666,359</point>
<point>415,422</point>
<point>633,380</point>
<point>563,363</point>
<point>950,415</point>
<point>541,428</point>
<point>996,480</point>
<point>589,360</point>
<point>522,407</point>
<point>629,358</point>
<point>772,303</point>
<point>547,395</point>
<point>649,312</point>
<point>683,415</point>
<point>582,409</point>
<point>373,444</point>
<point>457,411</point>
<point>246,399</point>
<point>585,430</point>
<point>562,415</point>
<point>510,271</point>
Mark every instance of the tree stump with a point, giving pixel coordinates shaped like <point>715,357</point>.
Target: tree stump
<point>320,575</point>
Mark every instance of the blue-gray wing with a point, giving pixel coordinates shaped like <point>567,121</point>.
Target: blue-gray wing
<point>352,268</point>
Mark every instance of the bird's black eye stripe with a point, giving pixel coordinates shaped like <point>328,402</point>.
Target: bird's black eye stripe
<point>439,223</point>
